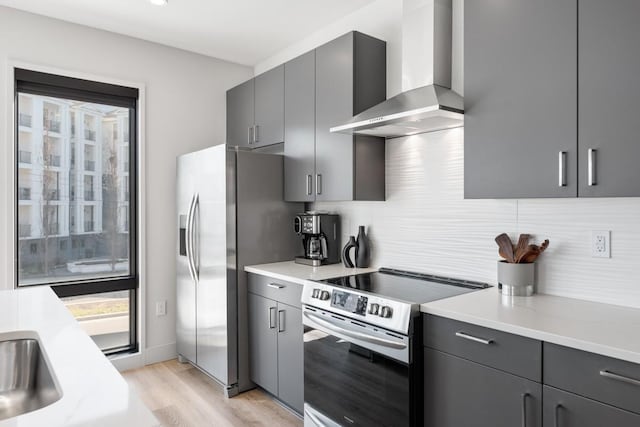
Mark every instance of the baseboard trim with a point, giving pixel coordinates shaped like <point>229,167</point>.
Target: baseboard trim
<point>160,353</point>
<point>126,362</point>
<point>148,356</point>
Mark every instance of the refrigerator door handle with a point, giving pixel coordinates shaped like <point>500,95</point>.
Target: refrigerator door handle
<point>195,232</point>
<point>189,236</point>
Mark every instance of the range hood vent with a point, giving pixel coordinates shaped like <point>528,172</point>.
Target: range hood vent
<point>425,109</point>
<point>427,103</point>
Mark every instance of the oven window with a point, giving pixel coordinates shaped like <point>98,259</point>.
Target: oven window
<point>353,385</point>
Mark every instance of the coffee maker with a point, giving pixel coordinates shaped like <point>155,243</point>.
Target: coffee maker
<point>320,233</point>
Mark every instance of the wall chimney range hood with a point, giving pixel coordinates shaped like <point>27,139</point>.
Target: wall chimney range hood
<point>427,103</point>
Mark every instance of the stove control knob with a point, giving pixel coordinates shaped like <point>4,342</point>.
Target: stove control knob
<point>315,293</point>
<point>324,295</point>
<point>373,309</point>
<point>386,311</point>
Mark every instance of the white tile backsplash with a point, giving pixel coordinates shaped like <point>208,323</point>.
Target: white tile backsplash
<point>426,225</point>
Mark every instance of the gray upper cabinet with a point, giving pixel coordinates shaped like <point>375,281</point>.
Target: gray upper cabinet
<point>299,130</point>
<point>520,98</point>
<point>269,107</point>
<point>350,77</point>
<point>323,89</point>
<point>334,104</point>
<point>255,110</point>
<point>240,114</point>
<point>608,98</point>
<point>553,102</point>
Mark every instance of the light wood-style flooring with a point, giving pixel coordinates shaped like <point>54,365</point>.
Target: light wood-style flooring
<point>180,395</point>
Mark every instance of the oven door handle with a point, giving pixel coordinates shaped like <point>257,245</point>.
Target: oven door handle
<point>353,334</point>
<point>314,419</point>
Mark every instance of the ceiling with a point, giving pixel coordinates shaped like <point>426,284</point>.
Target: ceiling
<point>242,31</point>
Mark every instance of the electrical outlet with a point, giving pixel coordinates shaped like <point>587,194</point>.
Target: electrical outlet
<point>161,308</point>
<point>601,244</point>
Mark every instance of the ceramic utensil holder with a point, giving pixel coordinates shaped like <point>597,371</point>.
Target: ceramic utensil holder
<point>516,280</point>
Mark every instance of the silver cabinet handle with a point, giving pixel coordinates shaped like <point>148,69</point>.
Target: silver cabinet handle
<point>562,169</point>
<point>472,338</point>
<point>275,286</point>
<point>309,184</point>
<point>250,135</point>
<point>281,319</point>
<point>353,334</point>
<point>256,136</point>
<point>611,375</point>
<point>556,415</point>
<point>524,409</point>
<point>272,317</point>
<point>318,183</point>
<point>591,167</point>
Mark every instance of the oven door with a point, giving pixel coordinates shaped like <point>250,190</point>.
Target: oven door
<point>354,374</point>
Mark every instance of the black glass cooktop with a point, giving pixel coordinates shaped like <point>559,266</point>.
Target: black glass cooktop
<point>414,288</point>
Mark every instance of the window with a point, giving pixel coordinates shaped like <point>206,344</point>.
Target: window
<point>67,145</point>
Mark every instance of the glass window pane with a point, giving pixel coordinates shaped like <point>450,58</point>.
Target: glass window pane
<point>73,190</point>
<point>104,317</point>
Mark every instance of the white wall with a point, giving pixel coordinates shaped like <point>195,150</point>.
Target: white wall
<point>426,225</point>
<point>185,111</point>
<point>380,19</point>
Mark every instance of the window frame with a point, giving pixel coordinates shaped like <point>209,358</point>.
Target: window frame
<point>58,86</point>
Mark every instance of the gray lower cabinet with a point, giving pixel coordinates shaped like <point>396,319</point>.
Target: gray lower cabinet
<point>276,338</point>
<point>520,98</point>
<point>476,376</point>
<point>290,356</point>
<point>608,98</point>
<point>563,409</point>
<point>263,342</point>
<point>255,110</point>
<point>323,89</point>
<point>461,393</point>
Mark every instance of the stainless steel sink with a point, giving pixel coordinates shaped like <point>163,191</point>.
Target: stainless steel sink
<point>26,380</point>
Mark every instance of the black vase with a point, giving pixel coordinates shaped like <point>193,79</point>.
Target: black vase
<point>346,257</point>
<point>362,249</point>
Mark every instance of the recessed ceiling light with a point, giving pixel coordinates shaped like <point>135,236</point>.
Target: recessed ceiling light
<point>159,2</point>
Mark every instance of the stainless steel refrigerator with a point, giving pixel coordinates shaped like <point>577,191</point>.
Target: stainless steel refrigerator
<point>230,213</point>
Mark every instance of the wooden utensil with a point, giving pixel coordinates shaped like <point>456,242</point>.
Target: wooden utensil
<point>521,247</point>
<point>534,251</point>
<point>505,247</point>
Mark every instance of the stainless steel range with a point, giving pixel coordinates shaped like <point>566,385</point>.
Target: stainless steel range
<point>362,346</point>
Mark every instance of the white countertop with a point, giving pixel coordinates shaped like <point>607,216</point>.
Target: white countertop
<point>93,392</point>
<point>598,328</point>
<point>606,329</point>
<point>298,273</point>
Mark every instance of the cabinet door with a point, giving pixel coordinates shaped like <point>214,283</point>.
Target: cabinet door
<point>263,342</point>
<point>461,393</point>
<point>520,98</point>
<point>299,130</point>
<point>608,107</point>
<point>334,105</point>
<point>290,356</point>
<point>269,107</point>
<point>240,114</point>
<point>562,409</point>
